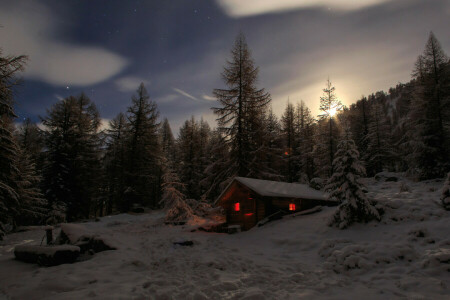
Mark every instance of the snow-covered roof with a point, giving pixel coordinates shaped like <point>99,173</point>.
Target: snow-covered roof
<point>281,189</point>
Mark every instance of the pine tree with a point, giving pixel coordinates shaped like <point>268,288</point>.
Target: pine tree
<point>72,157</point>
<point>275,143</point>
<point>9,171</point>
<point>329,106</point>
<point>290,138</point>
<point>143,170</point>
<point>115,162</point>
<point>428,135</point>
<point>218,173</point>
<point>345,186</point>
<point>167,142</point>
<point>445,197</point>
<point>241,115</point>
<point>306,131</point>
<point>379,152</point>
<point>33,205</point>
<point>174,200</point>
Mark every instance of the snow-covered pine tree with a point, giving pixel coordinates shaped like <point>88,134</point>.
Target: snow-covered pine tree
<point>242,112</point>
<point>9,193</point>
<point>144,153</point>
<point>345,186</point>
<point>174,200</point>
<point>445,197</point>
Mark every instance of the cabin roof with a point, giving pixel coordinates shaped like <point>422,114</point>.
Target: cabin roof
<point>280,189</point>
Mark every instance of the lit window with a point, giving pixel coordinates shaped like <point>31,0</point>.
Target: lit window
<point>237,207</point>
<point>291,206</point>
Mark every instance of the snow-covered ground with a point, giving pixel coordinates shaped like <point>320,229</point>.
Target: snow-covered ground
<point>406,255</point>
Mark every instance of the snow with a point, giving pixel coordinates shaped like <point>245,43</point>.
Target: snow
<point>281,189</point>
<point>406,255</point>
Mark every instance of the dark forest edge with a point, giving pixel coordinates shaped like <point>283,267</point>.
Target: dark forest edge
<point>72,170</point>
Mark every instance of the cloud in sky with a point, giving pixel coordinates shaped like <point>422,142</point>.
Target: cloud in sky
<point>240,8</point>
<point>129,83</point>
<point>185,94</point>
<point>208,98</point>
<point>30,28</point>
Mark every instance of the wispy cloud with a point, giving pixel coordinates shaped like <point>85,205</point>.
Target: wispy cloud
<point>185,94</point>
<point>130,83</point>
<point>208,98</point>
<point>31,28</point>
<point>240,8</point>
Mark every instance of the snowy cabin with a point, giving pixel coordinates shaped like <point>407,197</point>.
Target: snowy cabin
<point>247,201</point>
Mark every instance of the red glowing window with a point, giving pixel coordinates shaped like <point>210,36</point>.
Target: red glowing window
<point>249,214</point>
<point>291,206</point>
<point>237,206</point>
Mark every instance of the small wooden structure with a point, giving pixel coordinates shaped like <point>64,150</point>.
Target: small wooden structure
<point>247,201</point>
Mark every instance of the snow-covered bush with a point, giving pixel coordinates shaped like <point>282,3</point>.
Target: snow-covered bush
<point>446,193</point>
<point>346,187</point>
<point>173,199</point>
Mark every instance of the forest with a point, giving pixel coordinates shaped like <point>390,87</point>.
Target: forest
<point>67,169</point>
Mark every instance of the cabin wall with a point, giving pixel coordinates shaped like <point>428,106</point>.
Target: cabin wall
<point>252,207</point>
<point>277,204</point>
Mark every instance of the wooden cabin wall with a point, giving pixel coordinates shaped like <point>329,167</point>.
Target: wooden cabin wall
<point>252,207</point>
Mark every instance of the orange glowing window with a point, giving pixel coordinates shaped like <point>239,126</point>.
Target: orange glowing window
<point>286,153</point>
<point>291,206</point>
<point>237,206</point>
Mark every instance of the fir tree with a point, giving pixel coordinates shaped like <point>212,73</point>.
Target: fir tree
<point>306,131</point>
<point>33,205</point>
<point>428,135</point>
<point>345,186</point>
<point>115,162</point>
<point>167,142</point>
<point>73,157</point>
<point>143,170</point>
<point>379,152</point>
<point>241,115</point>
<point>329,106</point>
<point>290,138</point>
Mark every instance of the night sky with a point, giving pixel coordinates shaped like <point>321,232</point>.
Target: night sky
<point>179,47</point>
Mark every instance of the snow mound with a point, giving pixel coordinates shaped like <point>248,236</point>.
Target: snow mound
<point>344,256</point>
<point>47,255</point>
